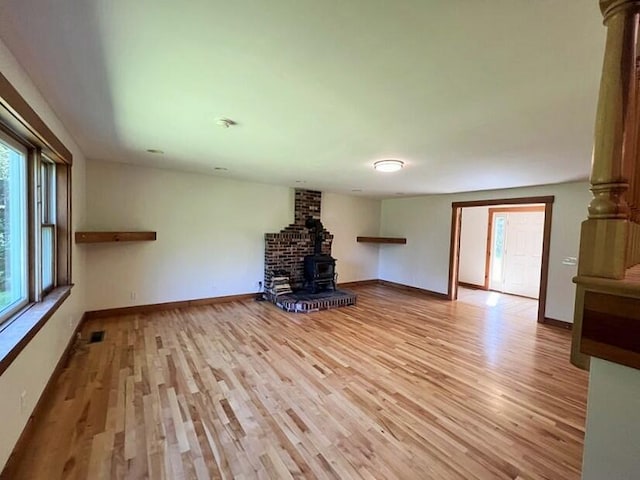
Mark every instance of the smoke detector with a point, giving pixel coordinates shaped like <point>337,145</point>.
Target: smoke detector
<point>225,122</point>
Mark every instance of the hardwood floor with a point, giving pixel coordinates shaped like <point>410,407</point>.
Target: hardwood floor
<point>511,305</point>
<point>399,386</point>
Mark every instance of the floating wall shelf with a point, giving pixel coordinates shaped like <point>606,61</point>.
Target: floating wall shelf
<point>396,240</point>
<point>102,237</point>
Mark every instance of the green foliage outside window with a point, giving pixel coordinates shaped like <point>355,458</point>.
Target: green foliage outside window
<point>4,234</point>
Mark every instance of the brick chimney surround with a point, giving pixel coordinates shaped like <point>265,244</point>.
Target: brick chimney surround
<point>285,251</point>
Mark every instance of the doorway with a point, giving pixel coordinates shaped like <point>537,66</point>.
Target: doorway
<point>518,235</point>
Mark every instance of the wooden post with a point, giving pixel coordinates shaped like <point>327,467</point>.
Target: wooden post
<point>604,241</point>
<point>603,244</point>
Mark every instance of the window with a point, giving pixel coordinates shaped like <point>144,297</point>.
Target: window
<point>13,227</point>
<point>48,224</point>
<point>28,253</point>
<point>35,223</point>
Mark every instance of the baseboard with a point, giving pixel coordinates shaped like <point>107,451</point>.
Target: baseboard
<point>359,283</point>
<point>408,288</point>
<point>472,286</point>
<point>22,444</point>
<point>157,307</point>
<point>558,323</point>
<point>400,286</point>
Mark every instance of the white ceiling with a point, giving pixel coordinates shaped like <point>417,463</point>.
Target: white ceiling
<point>471,94</point>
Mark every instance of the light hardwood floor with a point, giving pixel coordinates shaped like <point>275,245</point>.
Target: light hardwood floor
<point>399,386</point>
<point>501,303</point>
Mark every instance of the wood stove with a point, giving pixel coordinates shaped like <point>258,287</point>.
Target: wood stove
<point>319,272</point>
<point>319,268</point>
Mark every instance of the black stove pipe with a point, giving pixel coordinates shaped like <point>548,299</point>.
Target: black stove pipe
<point>317,230</point>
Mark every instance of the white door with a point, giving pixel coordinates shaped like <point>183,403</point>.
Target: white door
<point>523,253</point>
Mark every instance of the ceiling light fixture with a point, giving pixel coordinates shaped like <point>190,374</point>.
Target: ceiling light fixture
<point>388,165</point>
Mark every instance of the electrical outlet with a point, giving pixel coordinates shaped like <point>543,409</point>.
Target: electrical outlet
<point>70,321</point>
<point>132,295</point>
<point>23,402</point>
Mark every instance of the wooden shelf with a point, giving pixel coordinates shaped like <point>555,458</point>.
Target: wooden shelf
<point>102,237</point>
<point>396,240</point>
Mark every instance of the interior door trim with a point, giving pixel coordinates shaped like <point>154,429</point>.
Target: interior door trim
<point>454,249</point>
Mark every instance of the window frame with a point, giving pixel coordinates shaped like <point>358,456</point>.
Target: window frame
<point>20,122</point>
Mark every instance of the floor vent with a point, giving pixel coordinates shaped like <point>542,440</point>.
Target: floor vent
<point>96,337</point>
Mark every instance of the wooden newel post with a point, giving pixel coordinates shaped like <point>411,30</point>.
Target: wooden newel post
<point>605,235</point>
<point>603,243</point>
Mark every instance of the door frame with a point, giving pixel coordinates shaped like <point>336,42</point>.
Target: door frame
<point>492,211</point>
<point>454,248</point>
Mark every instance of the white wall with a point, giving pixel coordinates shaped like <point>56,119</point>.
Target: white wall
<point>426,222</point>
<point>31,370</point>
<point>348,217</point>
<point>210,234</point>
<point>473,245</point>
<point>612,442</point>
